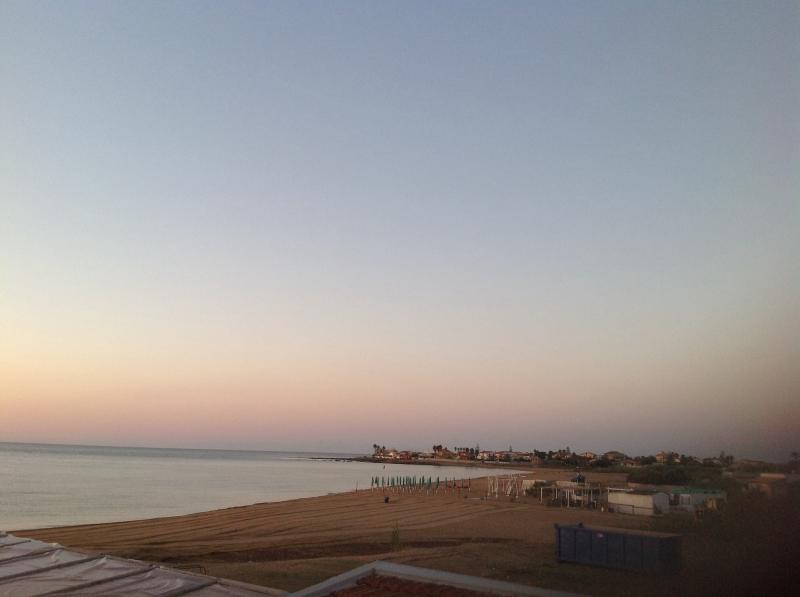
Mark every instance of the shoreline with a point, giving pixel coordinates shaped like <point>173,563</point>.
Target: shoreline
<point>446,462</point>
<point>100,488</point>
<point>479,483</point>
<point>295,543</point>
<point>527,466</point>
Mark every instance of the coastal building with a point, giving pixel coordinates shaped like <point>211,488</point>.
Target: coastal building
<point>692,499</point>
<point>614,456</point>
<point>666,457</point>
<point>641,502</point>
<point>649,502</point>
<point>442,452</point>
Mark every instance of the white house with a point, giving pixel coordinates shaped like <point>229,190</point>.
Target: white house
<point>641,502</point>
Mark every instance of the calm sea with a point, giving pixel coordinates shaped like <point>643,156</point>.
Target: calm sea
<point>47,485</point>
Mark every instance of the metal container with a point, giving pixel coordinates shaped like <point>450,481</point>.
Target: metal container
<point>618,548</point>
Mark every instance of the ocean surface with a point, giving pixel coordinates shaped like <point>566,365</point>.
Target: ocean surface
<point>51,485</point>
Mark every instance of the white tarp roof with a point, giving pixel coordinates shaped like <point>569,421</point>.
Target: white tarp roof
<point>30,568</point>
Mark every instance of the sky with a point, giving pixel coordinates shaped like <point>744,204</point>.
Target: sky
<point>323,225</point>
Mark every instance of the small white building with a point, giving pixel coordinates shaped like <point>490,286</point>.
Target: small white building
<point>641,502</point>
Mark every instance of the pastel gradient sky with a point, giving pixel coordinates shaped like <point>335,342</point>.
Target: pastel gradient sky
<point>319,225</point>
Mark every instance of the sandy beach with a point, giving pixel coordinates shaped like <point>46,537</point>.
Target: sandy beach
<point>293,544</point>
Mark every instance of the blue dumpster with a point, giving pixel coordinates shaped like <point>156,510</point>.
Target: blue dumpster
<point>618,548</point>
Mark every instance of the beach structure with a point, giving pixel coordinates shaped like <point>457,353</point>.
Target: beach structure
<point>693,499</point>
<point>29,568</point>
<point>642,502</point>
<point>572,494</point>
<point>649,502</point>
<point>412,484</point>
<point>510,486</point>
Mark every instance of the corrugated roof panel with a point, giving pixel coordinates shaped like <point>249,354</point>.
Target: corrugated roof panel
<point>10,539</point>
<point>28,564</point>
<point>23,548</point>
<point>29,568</point>
<point>222,590</point>
<point>152,583</point>
<point>65,578</point>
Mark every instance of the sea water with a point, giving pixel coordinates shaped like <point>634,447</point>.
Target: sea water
<point>52,485</point>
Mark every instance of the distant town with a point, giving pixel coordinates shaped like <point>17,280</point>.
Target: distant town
<point>564,458</point>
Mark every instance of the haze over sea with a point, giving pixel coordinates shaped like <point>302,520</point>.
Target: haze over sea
<point>44,485</point>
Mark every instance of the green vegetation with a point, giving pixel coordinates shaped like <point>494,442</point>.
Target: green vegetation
<point>396,544</point>
<point>678,474</point>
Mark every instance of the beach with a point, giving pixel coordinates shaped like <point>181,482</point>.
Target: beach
<point>293,544</point>
<point>44,486</point>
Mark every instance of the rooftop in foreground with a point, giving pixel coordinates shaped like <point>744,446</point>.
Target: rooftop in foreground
<point>29,567</point>
<point>380,579</point>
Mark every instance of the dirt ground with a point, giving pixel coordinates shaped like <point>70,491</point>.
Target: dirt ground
<point>291,545</point>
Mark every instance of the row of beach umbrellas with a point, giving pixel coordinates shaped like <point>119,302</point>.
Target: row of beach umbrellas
<point>414,482</point>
